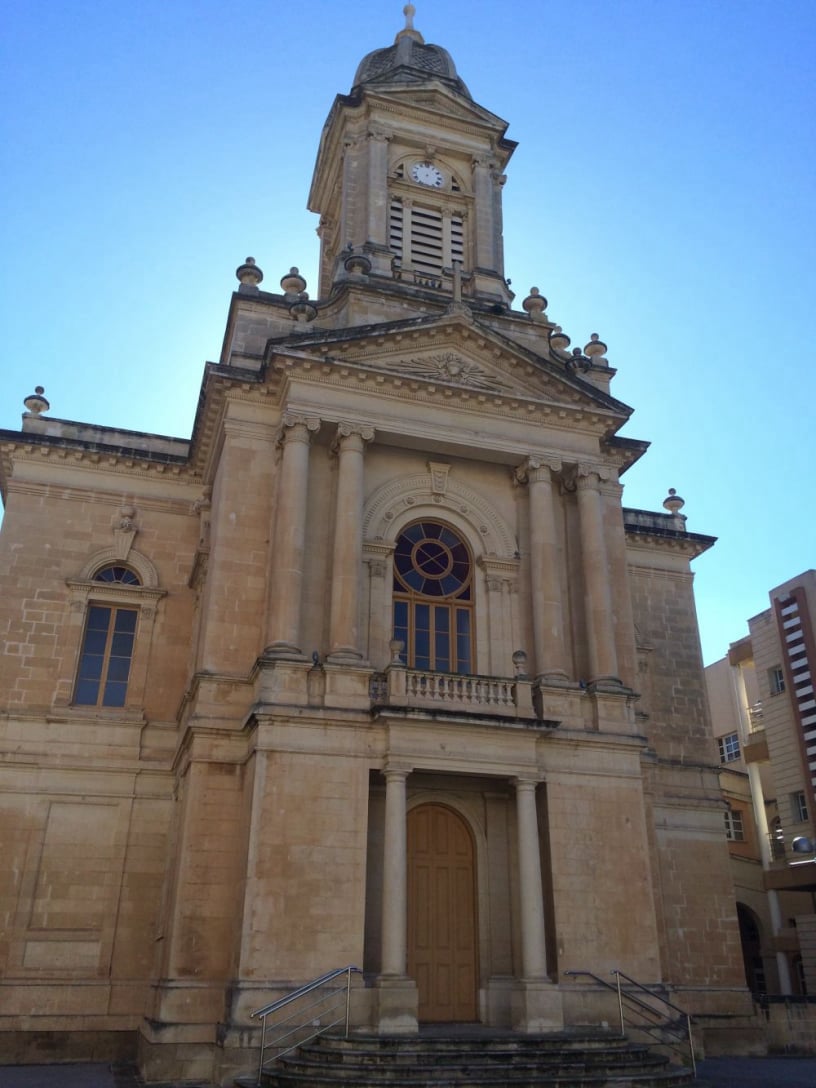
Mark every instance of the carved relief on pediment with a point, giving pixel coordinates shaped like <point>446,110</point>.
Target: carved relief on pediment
<point>449,366</point>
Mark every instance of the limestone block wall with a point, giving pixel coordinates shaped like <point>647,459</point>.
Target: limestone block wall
<point>305,875</point>
<point>85,792</point>
<point>235,595</point>
<point>50,534</point>
<point>601,879</point>
<point>694,896</point>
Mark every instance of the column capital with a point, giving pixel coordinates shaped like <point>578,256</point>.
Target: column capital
<point>297,426</point>
<point>589,477</point>
<point>363,432</point>
<point>537,467</point>
<point>524,783</point>
<point>396,770</point>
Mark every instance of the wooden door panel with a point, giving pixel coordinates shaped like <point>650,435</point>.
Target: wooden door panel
<point>442,914</point>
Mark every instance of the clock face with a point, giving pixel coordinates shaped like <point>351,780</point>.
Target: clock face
<point>426,174</point>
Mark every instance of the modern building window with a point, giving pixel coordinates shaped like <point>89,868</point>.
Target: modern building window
<point>729,747</point>
<point>433,598</point>
<point>734,827</point>
<point>107,646</point>
<point>799,808</point>
<point>776,680</point>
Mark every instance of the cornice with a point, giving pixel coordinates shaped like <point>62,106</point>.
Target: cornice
<point>689,544</point>
<point>90,457</point>
<point>393,385</point>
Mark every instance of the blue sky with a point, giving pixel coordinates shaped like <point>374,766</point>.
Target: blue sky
<point>662,195</point>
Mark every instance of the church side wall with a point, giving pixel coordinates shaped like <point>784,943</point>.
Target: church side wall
<point>85,793</point>
<point>693,890</point>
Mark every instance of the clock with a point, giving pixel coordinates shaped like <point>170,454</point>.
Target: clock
<point>427,174</point>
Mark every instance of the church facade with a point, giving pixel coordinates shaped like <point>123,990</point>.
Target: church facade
<point>375,669</point>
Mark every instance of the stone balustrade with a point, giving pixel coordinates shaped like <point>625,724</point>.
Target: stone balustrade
<point>500,696</point>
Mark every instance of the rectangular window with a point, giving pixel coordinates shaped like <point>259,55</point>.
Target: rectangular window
<point>799,809</point>
<point>729,747</point>
<point>104,662</point>
<point>776,680</point>
<point>463,641</point>
<point>734,828</point>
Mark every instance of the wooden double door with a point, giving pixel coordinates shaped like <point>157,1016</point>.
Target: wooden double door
<point>442,917</point>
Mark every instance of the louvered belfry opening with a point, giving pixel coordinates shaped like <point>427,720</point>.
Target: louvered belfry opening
<point>425,239</point>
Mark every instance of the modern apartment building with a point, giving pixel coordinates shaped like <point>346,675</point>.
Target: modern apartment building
<point>764,718</point>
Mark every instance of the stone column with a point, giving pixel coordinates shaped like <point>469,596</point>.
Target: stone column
<point>603,662</point>
<point>407,227</point>
<point>533,941</point>
<point>621,596</point>
<point>349,228</point>
<point>290,536</point>
<point>545,580</point>
<point>378,557</point>
<point>377,188</point>
<point>347,564</point>
<point>484,256</point>
<point>395,875</point>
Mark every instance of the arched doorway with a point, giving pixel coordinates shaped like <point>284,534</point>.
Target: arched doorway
<point>442,930</point>
<point>751,941</point>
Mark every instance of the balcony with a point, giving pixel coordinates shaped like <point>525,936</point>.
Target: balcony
<point>496,696</point>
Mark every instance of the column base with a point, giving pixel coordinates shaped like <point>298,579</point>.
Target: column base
<point>612,684</point>
<point>345,656</point>
<point>555,678</point>
<point>537,1007</point>
<point>396,1005</point>
<point>284,651</point>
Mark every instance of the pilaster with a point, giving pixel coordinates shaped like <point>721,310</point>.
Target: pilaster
<point>344,631</point>
<point>290,537</point>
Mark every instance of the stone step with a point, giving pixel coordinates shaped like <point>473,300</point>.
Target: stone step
<point>474,1061</point>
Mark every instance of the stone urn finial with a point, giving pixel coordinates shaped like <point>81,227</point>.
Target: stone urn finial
<point>248,274</point>
<point>673,503</point>
<point>559,339</point>
<point>36,402</point>
<point>596,349</point>
<point>293,284</point>
<point>535,304</point>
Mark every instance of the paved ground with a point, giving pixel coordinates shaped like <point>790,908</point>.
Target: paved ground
<point>757,1073</point>
<point>713,1073</point>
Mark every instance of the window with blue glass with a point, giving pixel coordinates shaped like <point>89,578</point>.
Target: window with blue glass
<point>107,646</point>
<point>433,598</point>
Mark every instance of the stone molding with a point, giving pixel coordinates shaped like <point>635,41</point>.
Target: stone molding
<point>109,556</point>
<point>394,501</point>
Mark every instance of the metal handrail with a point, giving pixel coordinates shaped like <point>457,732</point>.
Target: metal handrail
<point>622,996</point>
<point>282,1039</point>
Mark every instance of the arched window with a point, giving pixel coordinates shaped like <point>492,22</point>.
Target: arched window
<point>433,598</point>
<point>122,575</point>
<point>107,645</point>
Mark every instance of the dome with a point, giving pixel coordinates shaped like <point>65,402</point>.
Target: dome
<point>409,60</point>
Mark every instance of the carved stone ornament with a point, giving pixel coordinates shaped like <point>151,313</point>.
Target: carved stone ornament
<point>439,477</point>
<point>124,530</point>
<point>451,367</point>
<point>290,420</point>
<point>541,466</point>
<point>345,429</point>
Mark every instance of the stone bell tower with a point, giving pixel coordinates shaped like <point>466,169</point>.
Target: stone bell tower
<point>409,174</point>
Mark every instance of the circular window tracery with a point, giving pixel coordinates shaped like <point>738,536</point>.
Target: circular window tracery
<point>433,561</point>
<point>433,586</point>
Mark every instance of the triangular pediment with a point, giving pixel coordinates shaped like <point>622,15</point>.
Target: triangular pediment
<point>438,99</point>
<point>454,352</point>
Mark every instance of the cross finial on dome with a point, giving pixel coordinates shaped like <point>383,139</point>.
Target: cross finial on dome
<point>408,32</point>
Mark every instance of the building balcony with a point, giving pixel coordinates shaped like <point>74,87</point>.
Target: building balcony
<point>419,689</point>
